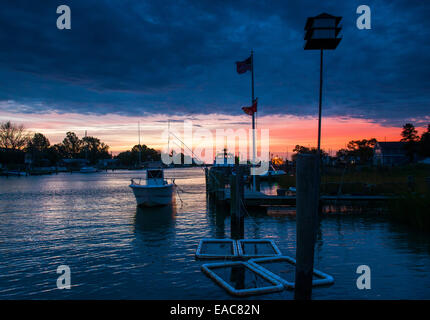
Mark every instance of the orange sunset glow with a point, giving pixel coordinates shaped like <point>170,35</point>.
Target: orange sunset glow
<point>121,132</point>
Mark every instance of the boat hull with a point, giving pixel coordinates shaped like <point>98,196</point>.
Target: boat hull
<point>88,170</point>
<point>272,175</point>
<point>153,196</point>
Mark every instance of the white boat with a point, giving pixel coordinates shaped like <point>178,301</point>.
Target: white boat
<point>224,159</point>
<point>15,173</point>
<point>154,190</point>
<point>88,170</point>
<point>272,172</point>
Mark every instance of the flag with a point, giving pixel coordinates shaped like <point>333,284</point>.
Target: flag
<point>252,109</point>
<point>243,66</point>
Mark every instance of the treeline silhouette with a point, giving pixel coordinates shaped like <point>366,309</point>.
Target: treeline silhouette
<point>17,145</point>
<point>416,146</point>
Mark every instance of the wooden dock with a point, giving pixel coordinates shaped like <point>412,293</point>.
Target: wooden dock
<point>257,198</point>
<point>218,181</point>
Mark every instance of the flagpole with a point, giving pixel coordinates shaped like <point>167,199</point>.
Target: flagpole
<point>253,118</point>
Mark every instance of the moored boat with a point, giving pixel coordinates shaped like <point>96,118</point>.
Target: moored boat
<point>154,190</point>
<point>15,173</point>
<point>88,170</point>
<point>272,173</point>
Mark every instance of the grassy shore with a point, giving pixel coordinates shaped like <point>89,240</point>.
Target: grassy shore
<point>409,185</point>
<point>370,180</point>
<point>412,209</point>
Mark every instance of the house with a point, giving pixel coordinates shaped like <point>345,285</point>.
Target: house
<point>390,154</point>
<point>107,163</point>
<point>73,163</point>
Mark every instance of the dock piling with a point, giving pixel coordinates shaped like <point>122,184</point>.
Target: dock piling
<point>307,200</point>
<point>236,212</point>
<point>207,180</point>
<point>257,183</point>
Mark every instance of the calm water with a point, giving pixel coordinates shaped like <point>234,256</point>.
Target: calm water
<point>90,223</point>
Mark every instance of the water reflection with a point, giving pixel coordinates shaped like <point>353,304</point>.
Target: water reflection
<point>156,223</point>
<point>217,216</point>
<point>402,238</point>
<point>91,223</point>
<point>269,187</point>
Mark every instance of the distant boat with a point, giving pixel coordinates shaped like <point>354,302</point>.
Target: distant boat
<point>15,173</point>
<point>224,160</point>
<point>88,170</point>
<point>154,190</point>
<point>273,173</point>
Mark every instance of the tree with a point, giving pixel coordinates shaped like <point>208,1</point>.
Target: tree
<point>38,143</point>
<point>410,136</point>
<point>131,157</point>
<point>357,150</point>
<point>147,154</point>
<point>37,146</point>
<point>424,144</point>
<point>409,133</point>
<point>72,145</point>
<point>12,136</point>
<point>343,154</point>
<point>301,149</point>
<point>93,149</point>
<point>362,150</point>
<point>55,153</point>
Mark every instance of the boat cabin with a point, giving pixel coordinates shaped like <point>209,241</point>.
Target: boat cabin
<point>155,176</point>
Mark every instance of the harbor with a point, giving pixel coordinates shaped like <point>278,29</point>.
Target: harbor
<point>116,250</point>
<point>250,153</point>
<point>218,180</point>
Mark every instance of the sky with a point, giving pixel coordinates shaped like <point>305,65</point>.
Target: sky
<point>151,61</point>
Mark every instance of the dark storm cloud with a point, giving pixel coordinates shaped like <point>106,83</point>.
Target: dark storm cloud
<point>143,57</point>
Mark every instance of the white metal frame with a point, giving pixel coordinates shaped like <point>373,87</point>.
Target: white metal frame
<point>324,278</point>
<point>275,287</point>
<point>269,241</point>
<point>200,255</point>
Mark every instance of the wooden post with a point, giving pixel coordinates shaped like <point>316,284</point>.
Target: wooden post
<point>210,182</point>
<point>207,179</point>
<point>258,183</point>
<point>241,190</point>
<point>320,101</point>
<point>236,198</point>
<point>233,205</point>
<point>411,183</point>
<point>307,201</point>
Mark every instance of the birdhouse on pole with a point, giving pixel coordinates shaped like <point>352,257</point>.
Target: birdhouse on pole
<point>321,32</point>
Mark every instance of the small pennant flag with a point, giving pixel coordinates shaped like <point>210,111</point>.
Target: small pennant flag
<point>243,66</point>
<point>252,109</point>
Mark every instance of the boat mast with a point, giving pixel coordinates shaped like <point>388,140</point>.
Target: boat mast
<point>168,137</point>
<point>86,148</point>
<point>140,148</point>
